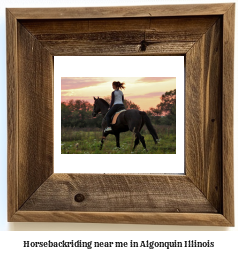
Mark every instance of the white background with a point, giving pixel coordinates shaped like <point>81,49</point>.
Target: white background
<point>159,66</point>
<point>224,241</point>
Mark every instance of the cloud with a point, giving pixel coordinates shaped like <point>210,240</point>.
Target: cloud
<point>155,79</point>
<point>147,95</point>
<point>77,83</point>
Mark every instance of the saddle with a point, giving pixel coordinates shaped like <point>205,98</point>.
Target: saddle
<point>115,116</point>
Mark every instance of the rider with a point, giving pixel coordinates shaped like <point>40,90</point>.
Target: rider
<point>117,101</point>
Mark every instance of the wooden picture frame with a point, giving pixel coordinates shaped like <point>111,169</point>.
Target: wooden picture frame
<point>204,34</point>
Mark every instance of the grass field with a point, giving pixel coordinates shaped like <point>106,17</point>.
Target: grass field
<point>87,141</point>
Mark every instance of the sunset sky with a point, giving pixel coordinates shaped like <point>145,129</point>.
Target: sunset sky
<point>144,91</point>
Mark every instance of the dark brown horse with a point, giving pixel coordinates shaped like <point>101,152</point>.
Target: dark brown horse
<point>131,119</point>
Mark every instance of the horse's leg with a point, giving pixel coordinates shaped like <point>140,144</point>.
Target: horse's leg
<point>118,139</point>
<point>136,130</point>
<point>142,140</point>
<point>104,135</point>
<point>137,140</point>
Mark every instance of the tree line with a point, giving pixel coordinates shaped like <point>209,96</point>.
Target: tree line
<point>78,113</point>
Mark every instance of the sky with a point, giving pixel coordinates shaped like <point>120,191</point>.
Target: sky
<point>143,91</point>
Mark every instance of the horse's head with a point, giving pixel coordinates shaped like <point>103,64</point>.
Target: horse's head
<point>96,107</point>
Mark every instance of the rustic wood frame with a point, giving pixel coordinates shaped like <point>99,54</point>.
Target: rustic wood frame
<point>204,34</point>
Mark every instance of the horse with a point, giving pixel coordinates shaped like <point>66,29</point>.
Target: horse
<point>131,119</point>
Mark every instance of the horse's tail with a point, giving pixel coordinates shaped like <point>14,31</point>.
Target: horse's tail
<point>149,126</point>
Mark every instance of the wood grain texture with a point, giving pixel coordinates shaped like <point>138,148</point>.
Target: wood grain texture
<point>72,48</point>
<point>204,115</point>
<point>49,29</point>
<point>120,11</point>
<point>114,193</point>
<point>12,114</point>
<point>197,219</point>
<point>35,114</point>
<point>227,113</point>
<point>119,36</point>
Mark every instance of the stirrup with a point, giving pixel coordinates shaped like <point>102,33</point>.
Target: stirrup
<point>108,129</point>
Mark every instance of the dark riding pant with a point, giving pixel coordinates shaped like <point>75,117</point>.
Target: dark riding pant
<point>112,111</point>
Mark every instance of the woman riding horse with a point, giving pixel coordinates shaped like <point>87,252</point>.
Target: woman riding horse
<point>132,119</point>
<point>117,102</point>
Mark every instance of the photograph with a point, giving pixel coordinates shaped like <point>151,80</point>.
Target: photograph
<point>148,129</point>
<point>118,115</point>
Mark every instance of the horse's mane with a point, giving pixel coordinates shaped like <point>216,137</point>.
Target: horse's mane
<point>104,102</point>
